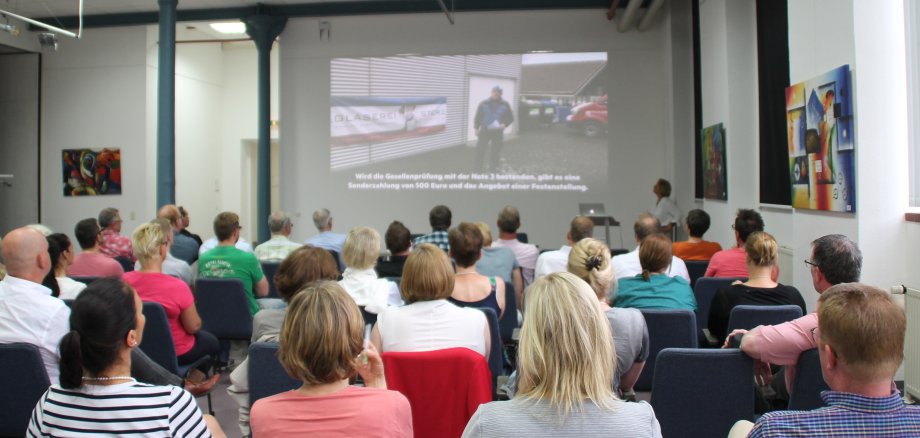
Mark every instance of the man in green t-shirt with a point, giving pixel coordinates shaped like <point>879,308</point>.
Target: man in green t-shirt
<point>226,261</point>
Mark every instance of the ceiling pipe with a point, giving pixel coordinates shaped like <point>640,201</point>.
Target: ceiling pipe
<point>629,16</point>
<point>650,13</point>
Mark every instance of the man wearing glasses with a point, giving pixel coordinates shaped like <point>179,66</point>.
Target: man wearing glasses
<point>860,345</point>
<point>835,259</point>
<point>113,243</point>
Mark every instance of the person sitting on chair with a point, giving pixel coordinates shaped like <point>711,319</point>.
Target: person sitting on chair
<point>472,289</point>
<point>654,288</point>
<point>360,253</point>
<point>695,248</point>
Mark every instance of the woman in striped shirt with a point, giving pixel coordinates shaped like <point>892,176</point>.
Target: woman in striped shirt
<point>97,396</point>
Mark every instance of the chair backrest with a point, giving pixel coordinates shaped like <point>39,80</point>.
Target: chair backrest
<point>666,329</point>
<point>223,308</point>
<point>84,280</point>
<point>618,251</point>
<point>157,342</point>
<point>747,317</point>
<point>696,269</point>
<point>444,388</point>
<point>808,384</point>
<point>704,290</point>
<point>125,263</point>
<point>509,319</point>
<point>369,318</point>
<point>24,380</point>
<point>269,269</point>
<point>338,259</point>
<point>496,366</point>
<point>266,375</point>
<point>522,237</point>
<point>702,392</point>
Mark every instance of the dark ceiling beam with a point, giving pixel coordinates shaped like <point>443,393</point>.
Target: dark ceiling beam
<point>329,9</point>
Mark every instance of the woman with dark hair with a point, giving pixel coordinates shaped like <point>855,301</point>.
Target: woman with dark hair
<point>472,289</point>
<point>97,395</point>
<point>654,288</point>
<point>61,251</point>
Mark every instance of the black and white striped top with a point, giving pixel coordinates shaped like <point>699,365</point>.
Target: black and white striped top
<point>128,409</point>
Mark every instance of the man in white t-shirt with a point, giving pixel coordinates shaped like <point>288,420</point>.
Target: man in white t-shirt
<point>557,261</point>
<point>627,265</point>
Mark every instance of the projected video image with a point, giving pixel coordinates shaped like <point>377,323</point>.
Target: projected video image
<point>472,122</point>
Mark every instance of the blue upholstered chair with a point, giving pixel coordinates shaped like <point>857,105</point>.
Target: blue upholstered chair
<point>696,269</point>
<point>702,392</point>
<point>704,290</point>
<point>805,394</point>
<point>666,329</point>
<point>266,375</point>
<point>496,364</point>
<point>509,319</point>
<point>270,269</point>
<point>24,380</point>
<point>223,308</point>
<point>747,317</point>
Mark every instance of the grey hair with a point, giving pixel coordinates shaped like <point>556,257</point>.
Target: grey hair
<point>277,221</point>
<point>321,218</point>
<point>107,217</point>
<point>838,258</point>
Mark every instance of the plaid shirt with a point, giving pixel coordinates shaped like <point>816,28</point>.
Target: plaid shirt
<point>115,245</point>
<point>846,414</point>
<point>276,249</point>
<point>438,238</point>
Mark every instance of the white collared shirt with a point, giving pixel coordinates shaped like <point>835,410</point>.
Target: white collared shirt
<point>375,294</point>
<point>552,261</point>
<point>627,265</point>
<point>29,314</point>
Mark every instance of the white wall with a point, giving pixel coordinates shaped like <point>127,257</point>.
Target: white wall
<point>94,96</point>
<point>641,127</point>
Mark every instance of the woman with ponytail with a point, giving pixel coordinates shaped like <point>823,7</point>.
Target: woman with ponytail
<point>97,395</point>
<point>60,248</point>
<point>654,288</point>
<point>589,260</point>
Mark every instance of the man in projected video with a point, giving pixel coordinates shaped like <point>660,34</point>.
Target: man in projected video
<point>492,117</point>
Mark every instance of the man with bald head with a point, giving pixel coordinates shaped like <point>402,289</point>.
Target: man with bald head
<point>184,248</point>
<point>627,265</point>
<point>28,312</point>
<point>557,261</point>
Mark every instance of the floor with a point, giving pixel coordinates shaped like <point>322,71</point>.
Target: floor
<point>225,409</point>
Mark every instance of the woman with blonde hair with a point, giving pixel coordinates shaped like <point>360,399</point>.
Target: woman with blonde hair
<point>654,288</point>
<point>565,364</point>
<point>151,245</point>
<point>429,321</point>
<point>589,260</point>
<point>761,252</point>
<point>322,344</point>
<point>360,253</point>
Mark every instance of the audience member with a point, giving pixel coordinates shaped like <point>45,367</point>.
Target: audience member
<point>398,241</point>
<point>322,344</point>
<point>184,247</point>
<point>666,210</point>
<point>860,341</point>
<point>760,290</point>
<point>96,395</point>
<point>113,243</point>
<point>61,252</point>
<point>301,267</point>
<point>184,223</point>
<point>428,321</point>
<point>472,289</point>
<point>835,259</point>
<point>558,260</point>
<point>90,263</point>
<point>44,230</point>
<point>732,262</point>
<point>28,312</point>
<point>695,248</point>
<point>362,247</point>
<point>498,261</point>
<point>326,239</point>
<point>654,288</point>
<point>227,261</point>
<point>590,261</point>
<point>628,266</point>
<point>439,217</point>
<point>566,363</point>
<point>171,265</point>
<point>151,247</point>
<point>280,245</point>
<point>509,221</point>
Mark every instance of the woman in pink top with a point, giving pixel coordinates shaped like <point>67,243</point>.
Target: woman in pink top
<point>151,242</point>
<point>322,344</point>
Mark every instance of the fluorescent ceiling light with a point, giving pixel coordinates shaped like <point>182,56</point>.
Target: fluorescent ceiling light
<point>229,27</point>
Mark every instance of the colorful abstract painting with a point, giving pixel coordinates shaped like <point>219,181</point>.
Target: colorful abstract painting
<point>714,178</point>
<point>820,137</point>
<point>90,172</point>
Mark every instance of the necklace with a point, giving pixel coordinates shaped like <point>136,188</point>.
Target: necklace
<point>106,379</point>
